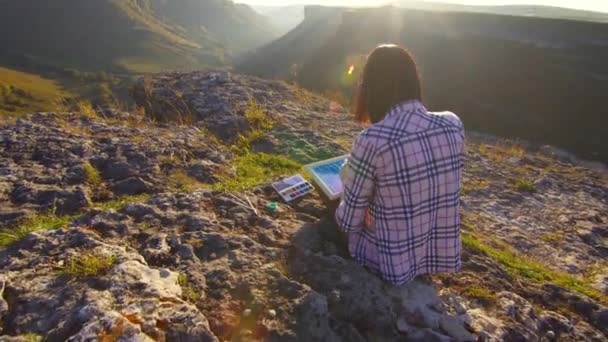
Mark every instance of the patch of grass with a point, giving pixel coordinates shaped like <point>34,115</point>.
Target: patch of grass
<point>534,271</point>
<point>475,185</point>
<point>189,293</point>
<point>119,203</point>
<point>91,174</point>
<point>282,266</point>
<point>168,159</point>
<point>86,109</point>
<point>31,337</point>
<point>181,181</point>
<point>500,152</point>
<point>514,151</point>
<point>552,237</point>
<point>253,169</point>
<point>9,236</point>
<point>244,142</point>
<point>88,264</point>
<point>24,93</point>
<point>480,293</point>
<point>257,117</point>
<point>524,186</point>
<point>195,242</point>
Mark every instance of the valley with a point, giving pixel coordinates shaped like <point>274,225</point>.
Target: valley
<point>515,77</point>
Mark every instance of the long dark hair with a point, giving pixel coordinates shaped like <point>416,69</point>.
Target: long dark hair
<point>390,77</point>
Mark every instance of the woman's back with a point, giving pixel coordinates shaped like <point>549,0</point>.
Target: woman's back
<point>415,205</point>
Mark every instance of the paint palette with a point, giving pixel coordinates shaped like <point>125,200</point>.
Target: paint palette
<point>326,174</point>
<point>293,188</point>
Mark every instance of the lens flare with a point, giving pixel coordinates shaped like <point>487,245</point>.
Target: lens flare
<point>351,69</point>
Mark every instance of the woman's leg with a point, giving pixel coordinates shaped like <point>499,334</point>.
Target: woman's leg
<point>330,230</point>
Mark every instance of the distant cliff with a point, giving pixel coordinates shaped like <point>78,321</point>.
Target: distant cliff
<point>539,79</point>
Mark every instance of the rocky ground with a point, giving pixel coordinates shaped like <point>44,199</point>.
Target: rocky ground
<point>117,226</point>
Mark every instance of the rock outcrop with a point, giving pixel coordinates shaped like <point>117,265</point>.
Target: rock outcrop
<point>149,245</point>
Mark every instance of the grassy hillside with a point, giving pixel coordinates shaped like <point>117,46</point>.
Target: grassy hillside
<point>23,92</point>
<point>111,35</point>
<point>131,36</point>
<point>94,47</point>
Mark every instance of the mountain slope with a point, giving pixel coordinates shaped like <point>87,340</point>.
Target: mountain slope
<point>538,79</point>
<point>295,47</point>
<point>237,26</point>
<point>130,35</point>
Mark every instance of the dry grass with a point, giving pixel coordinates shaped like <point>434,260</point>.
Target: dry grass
<point>25,93</point>
<point>86,109</point>
<point>501,153</point>
<point>180,180</point>
<point>88,264</point>
<point>552,237</point>
<point>475,185</point>
<point>91,174</point>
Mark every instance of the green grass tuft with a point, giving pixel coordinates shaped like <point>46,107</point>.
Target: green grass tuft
<point>91,174</point>
<point>189,293</point>
<point>525,186</point>
<point>257,117</point>
<point>253,169</point>
<point>9,236</point>
<point>86,109</point>
<point>31,337</point>
<point>521,266</point>
<point>181,181</point>
<point>87,264</point>
<point>119,203</point>
<point>480,293</point>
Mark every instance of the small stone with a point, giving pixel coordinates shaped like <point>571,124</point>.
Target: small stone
<point>453,328</point>
<point>550,335</point>
<point>402,325</point>
<point>272,313</point>
<point>247,312</point>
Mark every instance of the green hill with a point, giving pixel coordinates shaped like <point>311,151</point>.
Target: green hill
<point>22,92</point>
<point>130,36</point>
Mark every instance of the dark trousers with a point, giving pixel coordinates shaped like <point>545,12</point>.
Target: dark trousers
<point>329,229</point>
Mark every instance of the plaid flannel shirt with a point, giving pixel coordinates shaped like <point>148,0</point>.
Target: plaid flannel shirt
<point>405,171</point>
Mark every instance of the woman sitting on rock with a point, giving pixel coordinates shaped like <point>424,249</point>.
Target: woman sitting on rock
<point>401,198</point>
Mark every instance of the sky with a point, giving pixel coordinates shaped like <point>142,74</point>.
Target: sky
<point>593,5</point>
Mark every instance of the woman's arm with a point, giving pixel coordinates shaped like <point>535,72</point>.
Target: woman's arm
<point>358,182</point>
